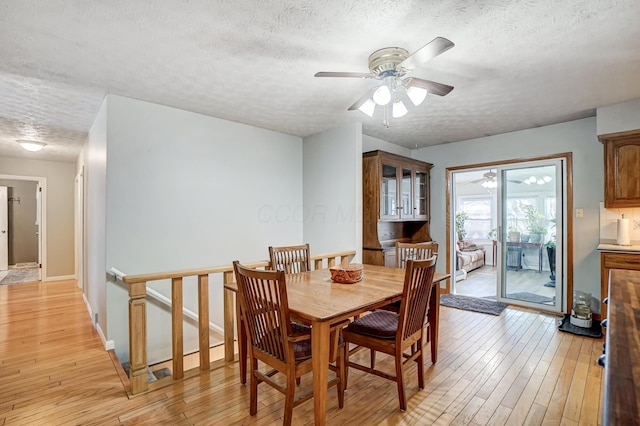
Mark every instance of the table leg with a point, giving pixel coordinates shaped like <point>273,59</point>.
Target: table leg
<point>540,259</point>
<point>320,360</point>
<point>434,318</point>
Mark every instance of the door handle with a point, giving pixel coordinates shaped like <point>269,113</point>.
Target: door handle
<point>4,232</point>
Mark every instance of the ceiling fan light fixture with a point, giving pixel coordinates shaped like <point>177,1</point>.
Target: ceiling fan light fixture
<point>399,110</point>
<point>391,66</point>
<point>490,184</point>
<point>416,94</point>
<point>368,107</point>
<point>32,146</point>
<point>382,95</point>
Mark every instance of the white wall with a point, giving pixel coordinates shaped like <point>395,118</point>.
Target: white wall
<point>618,118</point>
<point>578,137</point>
<point>370,143</point>
<point>333,190</point>
<point>185,190</point>
<point>59,218</point>
<point>94,159</point>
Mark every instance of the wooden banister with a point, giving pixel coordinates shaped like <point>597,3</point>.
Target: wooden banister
<point>137,285</point>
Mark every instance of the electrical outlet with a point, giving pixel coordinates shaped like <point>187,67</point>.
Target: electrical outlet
<point>636,224</point>
<point>579,212</point>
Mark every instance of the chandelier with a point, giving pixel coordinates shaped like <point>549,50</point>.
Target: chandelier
<point>538,180</point>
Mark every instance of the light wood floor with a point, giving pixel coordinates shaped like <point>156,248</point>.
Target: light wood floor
<point>481,282</point>
<point>512,369</point>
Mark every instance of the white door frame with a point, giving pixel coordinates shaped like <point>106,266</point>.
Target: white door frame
<point>559,165</point>
<point>79,227</point>
<point>4,228</point>
<point>42,218</point>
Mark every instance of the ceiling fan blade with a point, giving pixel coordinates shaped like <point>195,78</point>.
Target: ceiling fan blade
<point>343,74</point>
<point>427,52</point>
<point>433,87</point>
<point>357,104</point>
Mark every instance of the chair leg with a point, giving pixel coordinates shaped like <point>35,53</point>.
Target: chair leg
<point>289,398</point>
<point>420,366</point>
<point>340,363</point>
<point>372,356</point>
<point>253,384</point>
<point>400,382</point>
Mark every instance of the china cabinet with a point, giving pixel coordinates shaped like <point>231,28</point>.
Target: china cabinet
<point>395,204</point>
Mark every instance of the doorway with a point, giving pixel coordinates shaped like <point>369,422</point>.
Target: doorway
<point>24,229</point>
<point>507,232</point>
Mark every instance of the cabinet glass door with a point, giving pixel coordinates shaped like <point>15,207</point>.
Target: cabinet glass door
<point>420,191</point>
<point>406,200</point>
<point>389,191</point>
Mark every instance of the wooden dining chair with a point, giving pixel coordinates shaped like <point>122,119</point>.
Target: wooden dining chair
<point>290,259</point>
<point>281,344</point>
<point>414,251</point>
<point>395,333</point>
<point>410,251</point>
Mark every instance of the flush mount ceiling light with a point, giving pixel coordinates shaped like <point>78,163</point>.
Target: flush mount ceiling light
<point>390,67</point>
<point>32,146</point>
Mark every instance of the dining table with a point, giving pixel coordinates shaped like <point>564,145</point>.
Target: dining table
<point>317,300</point>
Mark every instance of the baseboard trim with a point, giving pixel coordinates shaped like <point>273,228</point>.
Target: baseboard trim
<point>60,278</point>
<point>89,310</point>
<point>108,344</point>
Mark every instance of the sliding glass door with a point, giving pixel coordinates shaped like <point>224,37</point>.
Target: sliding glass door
<point>507,228</point>
<point>530,234</point>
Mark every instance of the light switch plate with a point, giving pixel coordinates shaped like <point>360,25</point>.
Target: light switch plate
<point>579,212</point>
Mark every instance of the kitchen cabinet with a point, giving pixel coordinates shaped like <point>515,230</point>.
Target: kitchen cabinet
<point>395,192</point>
<point>621,171</point>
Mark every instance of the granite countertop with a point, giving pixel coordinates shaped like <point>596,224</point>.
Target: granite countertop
<point>610,245</point>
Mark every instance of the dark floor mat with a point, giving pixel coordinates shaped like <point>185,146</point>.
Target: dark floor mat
<point>472,304</point>
<point>595,331</point>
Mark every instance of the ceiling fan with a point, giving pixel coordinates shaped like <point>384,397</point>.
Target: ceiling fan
<point>391,66</point>
<point>489,180</point>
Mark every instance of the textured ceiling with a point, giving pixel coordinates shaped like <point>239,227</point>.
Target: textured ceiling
<point>516,64</point>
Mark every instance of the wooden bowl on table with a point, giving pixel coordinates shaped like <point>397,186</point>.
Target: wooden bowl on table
<point>346,274</point>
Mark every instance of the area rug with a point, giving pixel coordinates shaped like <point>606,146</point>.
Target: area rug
<point>531,297</point>
<point>595,331</point>
<point>19,276</point>
<point>472,304</point>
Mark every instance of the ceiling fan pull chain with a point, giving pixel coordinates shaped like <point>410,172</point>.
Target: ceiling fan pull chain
<point>385,122</point>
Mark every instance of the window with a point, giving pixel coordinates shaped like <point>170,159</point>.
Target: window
<point>515,213</point>
<point>480,211</point>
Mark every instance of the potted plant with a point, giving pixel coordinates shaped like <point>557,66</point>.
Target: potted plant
<point>461,218</point>
<point>513,231</point>
<point>534,221</point>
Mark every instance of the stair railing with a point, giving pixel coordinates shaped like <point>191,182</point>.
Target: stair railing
<point>137,288</point>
